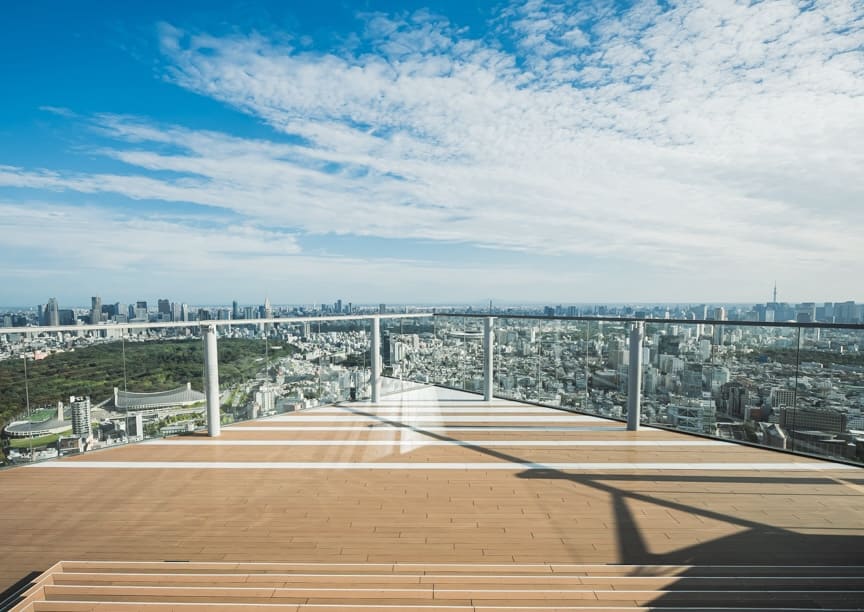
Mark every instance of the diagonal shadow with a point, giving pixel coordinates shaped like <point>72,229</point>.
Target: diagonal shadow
<point>765,543</point>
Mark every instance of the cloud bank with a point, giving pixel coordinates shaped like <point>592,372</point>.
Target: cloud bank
<point>708,144</point>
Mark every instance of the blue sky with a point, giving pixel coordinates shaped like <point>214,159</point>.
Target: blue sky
<point>432,152</point>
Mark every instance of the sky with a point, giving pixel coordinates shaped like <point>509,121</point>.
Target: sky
<point>432,152</point>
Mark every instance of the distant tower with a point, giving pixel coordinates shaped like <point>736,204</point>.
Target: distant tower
<point>268,313</point>
<point>775,292</point>
<point>52,314</point>
<point>95,310</point>
<point>81,416</point>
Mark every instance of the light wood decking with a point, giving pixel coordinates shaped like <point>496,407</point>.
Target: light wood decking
<point>433,476</point>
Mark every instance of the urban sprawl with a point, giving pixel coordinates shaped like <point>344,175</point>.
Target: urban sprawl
<point>789,376</point>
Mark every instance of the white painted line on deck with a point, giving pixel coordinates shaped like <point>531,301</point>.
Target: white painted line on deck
<point>386,427</point>
<point>421,441</point>
<point>483,466</point>
<point>491,418</point>
<point>410,410</point>
<point>538,577</point>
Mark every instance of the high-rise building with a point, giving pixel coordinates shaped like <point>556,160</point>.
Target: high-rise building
<point>66,316</point>
<point>80,409</point>
<point>184,312</point>
<point>95,310</point>
<point>338,306</point>
<point>140,311</point>
<point>40,315</point>
<point>235,310</point>
<point>806,312</point>
<point>164,308</point>
<point>845,312</point>
<point>176,311</point>
<point>691,381</point>
<point>734,399</point>
<point>382,308</point>
<point>52,312</point>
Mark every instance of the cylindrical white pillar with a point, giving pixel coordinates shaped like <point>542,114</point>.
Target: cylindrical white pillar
<point>375,358</point>
<point>634,391</point>
<point>488,358</point>
<point>211,361</point>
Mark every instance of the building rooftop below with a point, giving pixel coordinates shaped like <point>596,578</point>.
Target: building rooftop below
<point>435,476</point>
<point>181,396</point>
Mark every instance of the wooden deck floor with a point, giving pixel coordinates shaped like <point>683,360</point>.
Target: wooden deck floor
<point>433,476</point>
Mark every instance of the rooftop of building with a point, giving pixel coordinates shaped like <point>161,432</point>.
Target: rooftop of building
<point>129,400</point>
<point>24,428</point>
<point>435,476</point>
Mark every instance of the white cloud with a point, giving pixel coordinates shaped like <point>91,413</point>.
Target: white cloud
<point>126,257</point>
<point>713,135</point>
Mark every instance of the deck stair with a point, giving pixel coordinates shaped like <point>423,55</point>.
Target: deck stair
<point>77,586</point>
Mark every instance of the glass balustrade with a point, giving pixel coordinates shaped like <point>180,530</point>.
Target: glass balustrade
<point>785,386</point>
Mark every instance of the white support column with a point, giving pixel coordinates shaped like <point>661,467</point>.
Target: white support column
<point>488,358</point>
<point>375,359</point>
<point>211,362</point>
<point>634,391</point>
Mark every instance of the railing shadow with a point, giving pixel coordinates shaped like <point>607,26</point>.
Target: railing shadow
<point>758,543</point>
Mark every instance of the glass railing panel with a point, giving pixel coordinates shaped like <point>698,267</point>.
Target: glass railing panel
<point>517,365</point>
<point>409,353</point>
<point>257,367</point>
<point>447,356</point>
<point>394,355</point>
<point>472,345</point>
<point>606,362</point>
<point>826,414</point>
<point>682,373</point>
<point>504,379</point>
<point>786,387</point>
<point>88,389</point>
<point>340,354</point>
<point>419,350</point>
<point>564,373</point>
<point>761,387</point>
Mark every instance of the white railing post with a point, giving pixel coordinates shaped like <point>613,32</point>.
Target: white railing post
<point>211,362</point>
<point>488,358</point>
<point>634,391</point>
<point>375,359</point>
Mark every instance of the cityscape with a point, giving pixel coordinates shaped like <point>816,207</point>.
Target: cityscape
<point>730,374</point>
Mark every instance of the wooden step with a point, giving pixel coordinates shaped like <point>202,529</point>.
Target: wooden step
<point>156,586</point>
<point>540,581</point>
<point>460,568</point>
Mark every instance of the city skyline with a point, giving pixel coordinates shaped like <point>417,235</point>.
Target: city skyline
<point>439,152</point>
<point>54,314</point>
